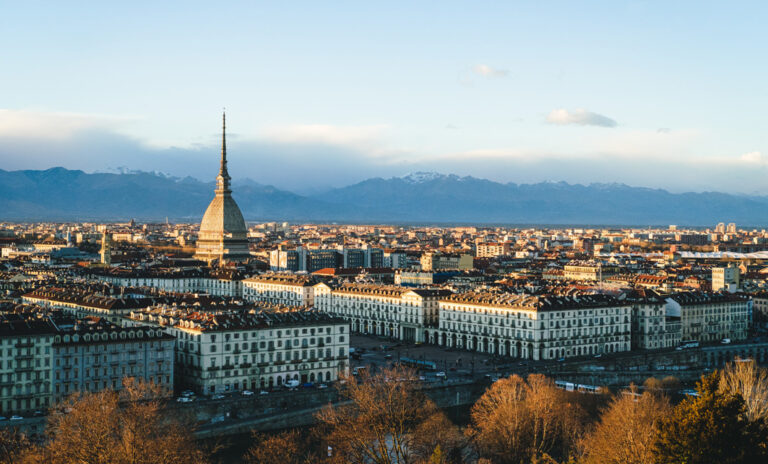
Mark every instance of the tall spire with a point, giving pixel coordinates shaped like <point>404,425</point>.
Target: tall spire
<point>222,180</point>
<point>223,169</point>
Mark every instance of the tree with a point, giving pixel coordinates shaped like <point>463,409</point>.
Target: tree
<point>435,433</point>
<point>289,447</point>
<point>746,378</point>
<point>711,427</point>
<point>13,446</point>
<point>129,427</point>
<point>519,421</point>
<point>627,430</point>
<point>377,421</point>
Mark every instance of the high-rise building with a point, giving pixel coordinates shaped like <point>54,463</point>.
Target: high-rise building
<point>731,228</point>
<point>106,248</point>
<point>725,278</point>
<point>223,236</point>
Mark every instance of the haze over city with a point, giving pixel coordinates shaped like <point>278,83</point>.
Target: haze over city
<point>650,94</point>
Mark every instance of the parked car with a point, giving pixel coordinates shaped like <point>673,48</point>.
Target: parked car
<point>725,341</point>
<point>322,385</point>
<point>247,393</point>
<point>184,399</point>
<point>16,418</point>
<point>440,374</point>
<point>217,396</point>
<point>263,392</point>
<point>187,393</point>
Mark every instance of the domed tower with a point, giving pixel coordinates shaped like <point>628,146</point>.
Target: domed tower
<point>223,235</point>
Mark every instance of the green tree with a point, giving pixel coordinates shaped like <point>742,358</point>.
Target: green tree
<point>710,428</point>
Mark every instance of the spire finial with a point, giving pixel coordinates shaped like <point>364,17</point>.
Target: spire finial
<point>224,141</point>
<point>222,181</point>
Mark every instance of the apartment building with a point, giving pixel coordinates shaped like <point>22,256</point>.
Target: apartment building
<point>651,328</point>
<point>588,271</point>
<point>281,289</point>
<point>534,327</point>
<point>390,311</point>
<point>436,261</point>
<point>25,364</point>
<point>228,351</point>
<point>93,356</point>
<point>710,317</point>
<point>492,249</point>
<point>193,280</point>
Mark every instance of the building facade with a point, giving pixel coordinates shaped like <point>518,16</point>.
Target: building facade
<point>282,289</point>
<point>395,312</point>
<point>534,327</point>
<point>229,351</point>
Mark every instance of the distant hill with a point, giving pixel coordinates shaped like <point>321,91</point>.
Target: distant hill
<point>62,194</point>
<point>450,198</point>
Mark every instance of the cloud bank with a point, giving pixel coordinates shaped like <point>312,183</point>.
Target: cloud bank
<point>314,157</point>
<point>579,117</point>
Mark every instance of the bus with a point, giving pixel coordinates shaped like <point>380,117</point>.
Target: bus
<point>418,364</point>
<point>685,344</point>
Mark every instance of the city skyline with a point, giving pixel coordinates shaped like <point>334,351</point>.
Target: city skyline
<point>639,93</point>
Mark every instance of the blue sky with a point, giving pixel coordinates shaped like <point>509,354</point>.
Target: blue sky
<point>321,94</point>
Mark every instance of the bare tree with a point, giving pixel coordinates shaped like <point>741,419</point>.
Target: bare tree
<point>437,440</point>
<point>288,447</point>
<point>750,381</point>
<point>376,422</point>
<point>627,430</point>
<point>13,446</point>
<point>518,421</point>
<point>130,427</point>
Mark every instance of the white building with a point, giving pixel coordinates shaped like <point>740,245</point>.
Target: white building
<point>535,327</point>
<point>282,289</point>
<point>233,351</point>
<point>725,279</point>
<point>390,311</point>
<point>710,317</point>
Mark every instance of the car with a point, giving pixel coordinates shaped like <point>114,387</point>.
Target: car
<point>16,418</point>
<point>387,356</point>
<point>187,393</point>
<point>217,396</point>
<point>291,383</point>
<point>560,360</point>
<point>38,413</point>
<point>422,378</point>
<point>598,355</point>
<point>725,341</point>
<point>440,374</point>
<point>452,369</point>
<point>263,392</point>
<point>247,393</point>
<point>2,418</point>
<point>184,399</point>
<point>322,386</point>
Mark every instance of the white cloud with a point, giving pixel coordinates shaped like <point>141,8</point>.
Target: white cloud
<point>326,134</point>
<point>487,71</point>
<point>580,117</point>
<point>53,125</point>
<point>754,157</point>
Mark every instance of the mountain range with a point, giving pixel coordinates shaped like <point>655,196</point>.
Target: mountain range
<point>59,194</point>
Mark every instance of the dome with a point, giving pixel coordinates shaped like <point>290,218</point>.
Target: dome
<point>223,216</point>
<point>223,235</point>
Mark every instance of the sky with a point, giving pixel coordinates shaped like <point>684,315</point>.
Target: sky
<point>324,94</point>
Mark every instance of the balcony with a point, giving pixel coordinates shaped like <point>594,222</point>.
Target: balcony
<point>262,364</point>
<point>24,345</point>
<point>227,367</point>
<point>246,365</point>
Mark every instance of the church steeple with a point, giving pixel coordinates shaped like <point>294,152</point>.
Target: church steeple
<point>222,180</point>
